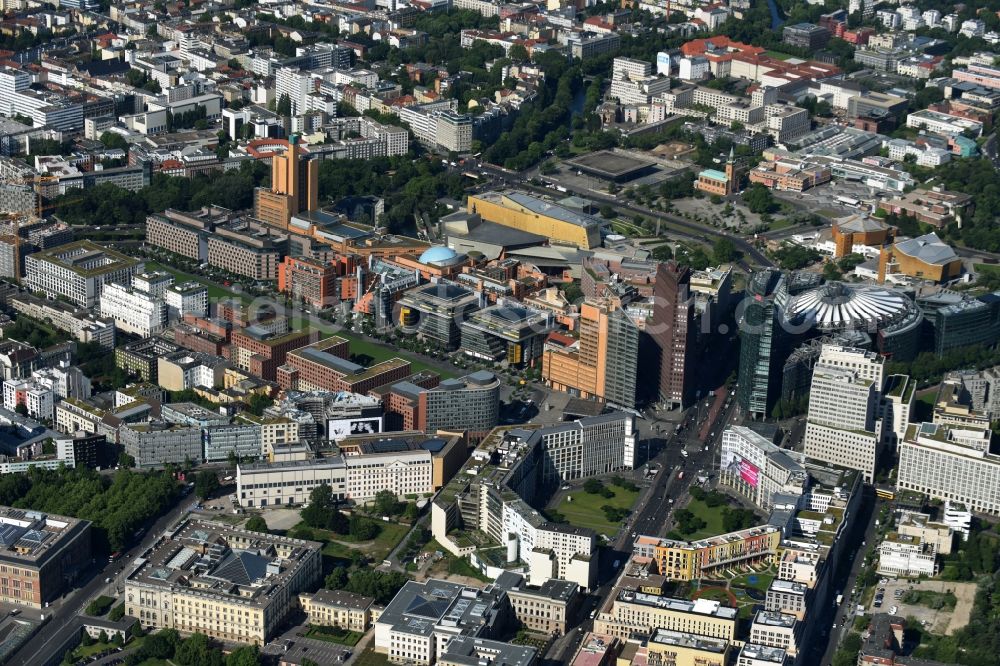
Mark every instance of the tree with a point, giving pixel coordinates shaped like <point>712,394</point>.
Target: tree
<point>337,579</point>
<point>284,107</point>
<point>662,253</point>
<point>21,409</point>
<point>593,486</point>
<point>193,651</point>
<point>724,251</point>
<point>518,53</point>
<point>831,272</point>
<point>102,637</point>
<point>607,212</point>
<point>363,529</point>
<point>256,524</point>
<point>248,655</point>
<point>758,199</point>
<point>205,483</point>
<point>381,585</point>
<point>386,504</point>
<point>114,140</point>
<point>125,461</point>
<point>412,512</point>
<point>86,639</point>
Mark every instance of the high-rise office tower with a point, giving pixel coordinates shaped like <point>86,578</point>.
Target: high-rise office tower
<point>763,343</point>
<point>601,363</point>
<point>294,187</point>
<point>672,328</point>
<point>842,426</point>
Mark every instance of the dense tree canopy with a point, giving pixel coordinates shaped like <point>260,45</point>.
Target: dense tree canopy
<point>116,505</point>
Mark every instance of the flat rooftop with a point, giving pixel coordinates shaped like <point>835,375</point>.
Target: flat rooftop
<point>609,165</point>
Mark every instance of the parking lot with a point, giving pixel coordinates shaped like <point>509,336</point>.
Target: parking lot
<point>945,621</point>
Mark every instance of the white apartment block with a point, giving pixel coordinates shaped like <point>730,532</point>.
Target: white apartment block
<point>37,398</point>
<point>133,310</point>
<point>402,473</point>
<point>693,68</point>
<point>638,91</point>
<point>757,468</point>
<point>972,28</point>
<point>630,68</point>
<point>901,555</point>
<point>403,466</point>
<point>154,283</point>
<point>841,425</point>
<point>78,271</point>
<point>942,123</point>
<point>65,380</point>
<point>189,298</point>
<point>295,83</point>
<point>951,463</point>
<point>774,629</point>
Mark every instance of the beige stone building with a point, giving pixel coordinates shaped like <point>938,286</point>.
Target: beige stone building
<point>338,608</point>
<point>227,583</point>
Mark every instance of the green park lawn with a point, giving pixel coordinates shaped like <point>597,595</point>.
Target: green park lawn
<point>712,517</point>
<point>378,353</point>
<point>214,292</point>
<point>585,509</point>
<point>340,545</point>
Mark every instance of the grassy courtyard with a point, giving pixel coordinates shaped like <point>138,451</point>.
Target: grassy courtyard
<point>334,635</point>
<point>583,509</point>
<point>757,581</point>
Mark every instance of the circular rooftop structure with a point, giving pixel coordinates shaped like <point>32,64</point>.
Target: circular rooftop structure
<point>839,306</point>
<point>438,254</point>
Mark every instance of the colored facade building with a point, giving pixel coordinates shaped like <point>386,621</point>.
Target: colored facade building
<point>310,281</point>
<point>538,216</point>
<point>926,257</point>
<point>602,362</point>
<point>789,174</point>
<point>720,183</point>
<point>683,648</point>
<point>859,230</point>
<point>325,366</point>
<point>261,352</point>
<point>294,187</point>
<point>41,554</point>
<point>401,400</point>
<point>672,329</point>
<point>338,608</point>
<point>693,560</point>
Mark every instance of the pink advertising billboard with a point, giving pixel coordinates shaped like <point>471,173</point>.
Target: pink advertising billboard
<point>749,472</point>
